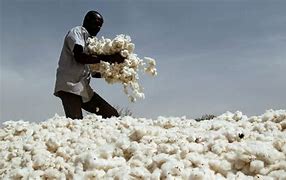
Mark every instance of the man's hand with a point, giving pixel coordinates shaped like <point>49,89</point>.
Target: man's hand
<point>96,75</point>
<point>116,58</point>
<point>89,59</point>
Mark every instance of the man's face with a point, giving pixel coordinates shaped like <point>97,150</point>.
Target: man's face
<point>94,24</point>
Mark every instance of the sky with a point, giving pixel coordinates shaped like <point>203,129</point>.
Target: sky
<point>212,56</point>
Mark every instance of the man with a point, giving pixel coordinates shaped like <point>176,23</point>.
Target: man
<point>73,74</point>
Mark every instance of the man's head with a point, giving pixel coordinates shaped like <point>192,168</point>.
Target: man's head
<point>92,22</point>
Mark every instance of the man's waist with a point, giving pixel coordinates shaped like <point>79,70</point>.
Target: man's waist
<point>79,73</point>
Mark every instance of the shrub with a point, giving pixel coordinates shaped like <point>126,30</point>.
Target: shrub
<point>206,117</point>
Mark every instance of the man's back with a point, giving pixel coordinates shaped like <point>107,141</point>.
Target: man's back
<point>73,76</point>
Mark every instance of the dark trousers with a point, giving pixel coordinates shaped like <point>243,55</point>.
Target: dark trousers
<point>73,103</point>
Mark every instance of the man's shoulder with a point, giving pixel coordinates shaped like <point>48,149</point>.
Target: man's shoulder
<point>76,29</point>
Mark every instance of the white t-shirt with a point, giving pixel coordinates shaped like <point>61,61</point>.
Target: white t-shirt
<point>73,77</point>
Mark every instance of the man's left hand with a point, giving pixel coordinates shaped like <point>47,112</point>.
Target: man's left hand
<point>96,75</point>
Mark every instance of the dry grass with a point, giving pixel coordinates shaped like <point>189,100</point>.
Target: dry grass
<point>206,117</point>
<point>123,111</point>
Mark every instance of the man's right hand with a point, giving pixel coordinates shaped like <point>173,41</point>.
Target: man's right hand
<point>89,59</point>
<point>116,58</point>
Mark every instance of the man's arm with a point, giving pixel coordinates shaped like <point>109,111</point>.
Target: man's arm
<point>83,58</point>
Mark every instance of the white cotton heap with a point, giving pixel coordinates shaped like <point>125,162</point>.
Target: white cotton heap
<point>125,73</point>
<point>230,146</point>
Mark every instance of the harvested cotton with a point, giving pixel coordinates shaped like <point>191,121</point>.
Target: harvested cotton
<point>230,146</point>
<point>125,73</point>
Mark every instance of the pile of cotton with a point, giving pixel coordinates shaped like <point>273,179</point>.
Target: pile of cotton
<point>125,73</point>
<point>231,146</point>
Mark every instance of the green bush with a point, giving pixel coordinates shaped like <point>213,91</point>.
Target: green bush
<point>206,117</point>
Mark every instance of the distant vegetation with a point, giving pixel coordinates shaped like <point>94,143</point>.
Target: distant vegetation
<point>206,117</point>
<point>123,111</point>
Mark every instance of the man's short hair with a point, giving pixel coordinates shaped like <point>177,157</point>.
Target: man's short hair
<point>90,15</point>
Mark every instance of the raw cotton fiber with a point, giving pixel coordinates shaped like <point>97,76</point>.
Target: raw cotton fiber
<point>230,146</point>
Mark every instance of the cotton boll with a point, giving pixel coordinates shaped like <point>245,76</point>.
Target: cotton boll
<point>148,160</point>
<point>52,144</point>
<point>241,175</point>
<point>167,167</point>
<point>3,134</point>
<point>160,159</point>
<point>140,173</point>
<point>231,135</point>
<point>231,156</point>
<point>191,138</point>
<point>265,152</point>
<point>105,164</point>
<point>124,53</point>
<point>94,174</point>
<point>259,177</point>
<point>237,116</point>
<point>222,167</point>
<point>278,144</point>
<point>19,174</point>
<point>125,73</point>
<point>214,165</point>
<point>279,174</point>
<point>267,116</point>
<point>120,173</point>
<point>283,125</point>
<point>256,166</point>
<point>53,174</point>
<point>186,173</point>
<point>79,176</point>
<point>85,160</point>
<point>184,152</point>
<point>106,151</point>
<point>265,170</point>
<point>172,167</point>
<point>40,160</point>
<point>247,158</point>
<point>137,134</point>
<point>27,147</point>
<point>186,163</point>
<point>135,163</point>
<point>227,116</point>
<point>151,66</point>
<point>283,149</point>
<point>151,61</point>
<point>270,126</point>
<point>253,119</point>
<point>130,47</point>
<point>16,161</point>
<point>63,152</point>
<point>36,175</point>
<point>134,147</point>
<point>225,166</point>
<point>195,147</point>
<point>120,40</point>
<point>168,148</point>
<point>218,148</point>
<point>122,143</point>
<point>196,159</point>
<point>177,170</point>
<point>196,174</point>
<point>156,174</point>
<point>240,159</point>
<point>230,175</point>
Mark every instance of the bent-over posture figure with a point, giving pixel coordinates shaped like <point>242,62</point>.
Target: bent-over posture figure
<point>73,74</point>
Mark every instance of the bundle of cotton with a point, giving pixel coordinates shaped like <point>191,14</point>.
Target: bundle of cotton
<point>231,146</point>
<point>126,72</point>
